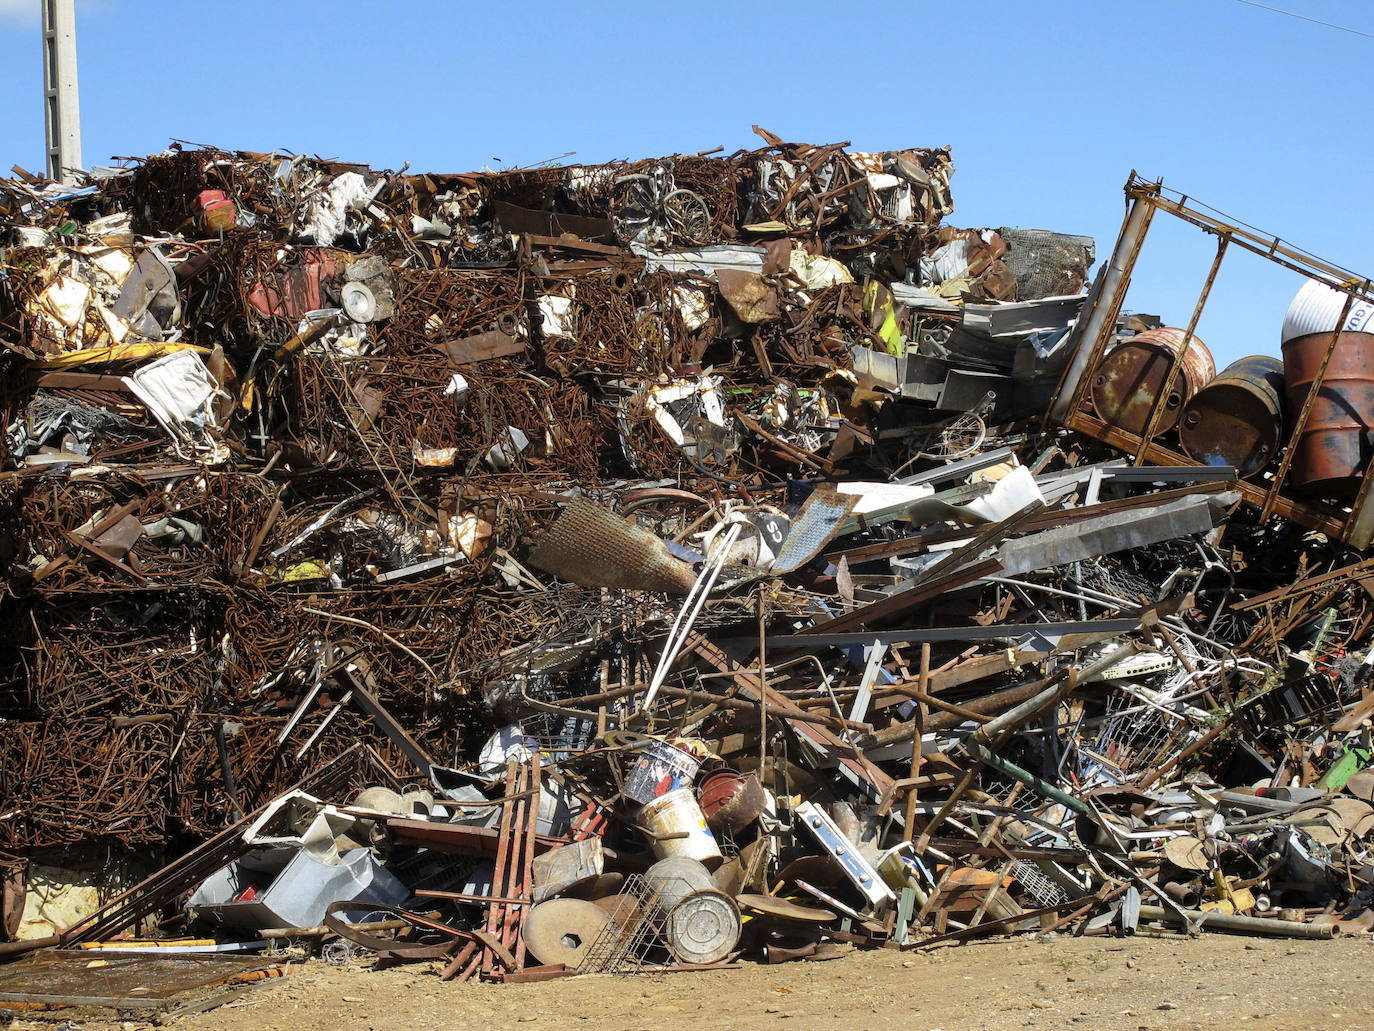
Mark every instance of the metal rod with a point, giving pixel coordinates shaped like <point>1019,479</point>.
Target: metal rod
<point>1157,409</point>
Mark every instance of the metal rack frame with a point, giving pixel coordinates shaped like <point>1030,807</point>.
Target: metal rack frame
<point>1093,332</point>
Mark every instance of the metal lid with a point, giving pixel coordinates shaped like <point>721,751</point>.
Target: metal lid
<point>702,928</point>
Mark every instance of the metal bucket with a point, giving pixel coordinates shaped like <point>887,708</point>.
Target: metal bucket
<point>731,801</point>
<point>700,924</point>
<point>1336,443</point>
<point>1237,419</point>
<point>1129,379</point>
<point>676,813</point>
<point>659,768</point>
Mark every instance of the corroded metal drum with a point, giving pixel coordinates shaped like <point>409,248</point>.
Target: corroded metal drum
<point>700,924</point>
<point>1237,419</point>
<point>1130,378</point>
<point>1338,438</point>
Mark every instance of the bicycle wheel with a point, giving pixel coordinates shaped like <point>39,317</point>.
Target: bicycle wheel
<point>959,439</point>
<point>631,207</point>
<point>688,216</point>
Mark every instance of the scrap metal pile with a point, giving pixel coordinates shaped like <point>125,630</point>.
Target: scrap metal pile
<point>596,568</point>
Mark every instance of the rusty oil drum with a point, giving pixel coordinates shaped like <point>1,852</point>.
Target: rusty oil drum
<point>1237,419</point>
<point>1129,379</point>
<point>1337,440</point>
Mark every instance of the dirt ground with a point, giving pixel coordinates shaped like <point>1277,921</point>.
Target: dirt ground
<point>1210,983</point>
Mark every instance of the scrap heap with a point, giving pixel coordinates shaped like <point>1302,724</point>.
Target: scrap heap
<point>591,568</point>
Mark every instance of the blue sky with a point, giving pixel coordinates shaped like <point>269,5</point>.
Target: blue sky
<point>1048,104</point>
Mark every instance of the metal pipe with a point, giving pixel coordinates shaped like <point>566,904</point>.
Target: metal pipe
<point>1232,924</point>
<point>1027,778</point>
<point>1103,307</point>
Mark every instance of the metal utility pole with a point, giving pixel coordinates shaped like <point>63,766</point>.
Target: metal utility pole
<point>61,100</point>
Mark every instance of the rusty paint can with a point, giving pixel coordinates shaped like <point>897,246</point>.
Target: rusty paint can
<point>1237,419</point>
<point>1129,379</point>
<point>1330,456</point>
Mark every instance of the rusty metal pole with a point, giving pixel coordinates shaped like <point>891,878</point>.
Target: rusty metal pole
<point>1300,423</point>
<point>763,695</point>
<point>1157,409</point>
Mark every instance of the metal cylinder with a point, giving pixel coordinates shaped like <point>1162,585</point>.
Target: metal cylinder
<point>1336,442</point>
<point>1237,418</point>
<point>675,878</point>
<point>700,923</point>
<point>678,827</point>
<point>1130,378</point>
<point>1264,926</point>
<point>731,800</point>
<point>1184,894</point>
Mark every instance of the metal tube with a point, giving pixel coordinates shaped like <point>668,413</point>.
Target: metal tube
<point>1232,924</point>
<point>1103,307</point>
<point>1027,778</point>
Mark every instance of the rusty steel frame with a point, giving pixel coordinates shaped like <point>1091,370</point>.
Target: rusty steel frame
<point>1144,198</point>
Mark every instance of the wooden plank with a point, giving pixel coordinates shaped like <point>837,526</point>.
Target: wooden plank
<point>481,346</point>
<point>572,243</point>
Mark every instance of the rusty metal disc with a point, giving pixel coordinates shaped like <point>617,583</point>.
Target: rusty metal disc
<point>782,909</point>
<point>563,930</point>
<point>1186,853</point>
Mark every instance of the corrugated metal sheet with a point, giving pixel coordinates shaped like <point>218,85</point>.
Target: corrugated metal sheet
<point>1316,308</point>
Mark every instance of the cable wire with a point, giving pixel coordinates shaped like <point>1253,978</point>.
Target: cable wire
<point>1303,17</point>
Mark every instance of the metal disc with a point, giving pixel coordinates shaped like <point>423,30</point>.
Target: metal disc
<point>769,905</point>
<point>1186,853</point>
<point>563,930</point>
<point>359,302</point>
<point>702,928</point>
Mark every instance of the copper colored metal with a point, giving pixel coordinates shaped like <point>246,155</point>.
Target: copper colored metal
<point>731,801</point>
<point>1128,381</point>
<point>1237,418</point>
<point>1334,446</point>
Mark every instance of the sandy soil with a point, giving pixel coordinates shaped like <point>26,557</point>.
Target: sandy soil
<point>1212,983</point>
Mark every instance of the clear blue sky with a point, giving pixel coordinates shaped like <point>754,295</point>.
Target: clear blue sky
<point>1048,104</point>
